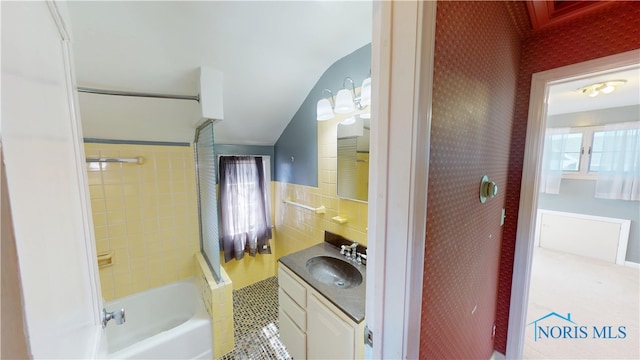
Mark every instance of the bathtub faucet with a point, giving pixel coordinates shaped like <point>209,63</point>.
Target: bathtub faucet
<point>118,315</point>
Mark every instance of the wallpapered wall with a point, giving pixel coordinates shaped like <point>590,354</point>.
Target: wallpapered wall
<point>614,30</point>
<point>475,72</point>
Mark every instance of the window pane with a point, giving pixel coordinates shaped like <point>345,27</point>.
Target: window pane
<point>614,150</point>
<point>564,152</point>
<point>573,143</point>
<point>597,140</point>
<point>594,165</point>
<point>571,162</point>
<point>556,143</point>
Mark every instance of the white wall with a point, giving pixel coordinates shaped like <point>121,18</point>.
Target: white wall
<point>44,161</point>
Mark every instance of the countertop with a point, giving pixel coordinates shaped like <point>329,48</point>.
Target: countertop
<point>351,301</point>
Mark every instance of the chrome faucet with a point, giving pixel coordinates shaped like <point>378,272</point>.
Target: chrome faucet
<point>353,247</point>
<point>349,250</point>
<point>117,315</point>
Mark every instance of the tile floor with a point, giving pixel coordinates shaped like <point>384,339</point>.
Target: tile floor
<point>595,293</point>
<point>255,318</point>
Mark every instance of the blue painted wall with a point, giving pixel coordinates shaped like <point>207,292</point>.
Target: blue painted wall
<point>296,151</point>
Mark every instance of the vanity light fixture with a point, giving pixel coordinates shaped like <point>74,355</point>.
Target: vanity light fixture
<point>345,101</point>
<point>324,110</point>
<point>606,87</point>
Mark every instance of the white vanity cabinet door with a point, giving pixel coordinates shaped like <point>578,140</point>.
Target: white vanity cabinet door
<point>292,337</point>
<point>329,336</point>
<point>292,299</point>
<point>311,327</point>
<point>295,287</point>
<point>295,312</point>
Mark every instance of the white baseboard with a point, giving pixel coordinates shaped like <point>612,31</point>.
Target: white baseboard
<point>632,264</point>
<point>497,356</point>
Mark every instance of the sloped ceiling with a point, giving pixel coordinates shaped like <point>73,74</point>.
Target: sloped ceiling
<point>271,55</point>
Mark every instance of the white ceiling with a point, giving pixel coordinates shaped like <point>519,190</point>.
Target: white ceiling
<point>271,54</point>
<point>564,97</point>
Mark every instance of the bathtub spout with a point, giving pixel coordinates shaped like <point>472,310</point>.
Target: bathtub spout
<point>117,315</point>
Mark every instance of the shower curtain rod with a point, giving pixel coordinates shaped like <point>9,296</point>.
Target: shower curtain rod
<point>137,94</point>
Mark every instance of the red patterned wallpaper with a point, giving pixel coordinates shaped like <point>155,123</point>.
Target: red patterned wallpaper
<point>613,30</point>
<point>475,77</point>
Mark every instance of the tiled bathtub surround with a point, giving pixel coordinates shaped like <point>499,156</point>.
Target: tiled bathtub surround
<point>145,215</point>
<point>218,300</point>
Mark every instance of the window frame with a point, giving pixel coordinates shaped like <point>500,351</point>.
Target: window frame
<point>266,165</point>
<point>584,164</point>
<point>583,172</point>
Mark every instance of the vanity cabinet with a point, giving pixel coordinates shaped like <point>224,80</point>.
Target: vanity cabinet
<point>311,327</point>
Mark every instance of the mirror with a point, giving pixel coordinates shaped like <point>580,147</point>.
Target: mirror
<point>353,159</point>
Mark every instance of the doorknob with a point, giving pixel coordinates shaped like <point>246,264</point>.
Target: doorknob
<point>488,189</point>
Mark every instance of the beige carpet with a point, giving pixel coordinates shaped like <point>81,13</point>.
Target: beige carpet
<point>596,294</point>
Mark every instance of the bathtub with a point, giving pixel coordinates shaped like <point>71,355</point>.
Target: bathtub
<point>168,322</point>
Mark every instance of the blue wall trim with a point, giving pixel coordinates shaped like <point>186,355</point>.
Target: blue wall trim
<point>135,142</point>
<point>296,151</point>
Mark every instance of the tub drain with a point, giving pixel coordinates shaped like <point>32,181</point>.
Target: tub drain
<point>340,283</point>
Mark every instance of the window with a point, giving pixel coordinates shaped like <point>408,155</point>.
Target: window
<point>565,151</point>
<point>603,156</point>
<point>582,152</point>
<point>245,224</point>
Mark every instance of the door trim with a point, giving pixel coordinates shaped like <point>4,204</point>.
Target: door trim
<point>402,68</point>
<point>525,234</point>
<point>81,166</point>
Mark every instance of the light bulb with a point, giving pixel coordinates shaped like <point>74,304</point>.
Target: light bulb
<point>594,93</point>
<point>608,89</point>
<point>344,102</point>
<point>365,92</point>
<point>324,110</point>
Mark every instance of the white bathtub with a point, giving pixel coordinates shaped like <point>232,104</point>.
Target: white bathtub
<point>169,322</point>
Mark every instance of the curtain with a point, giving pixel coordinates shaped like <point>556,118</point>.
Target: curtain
<point>245,221</point>
<point>616,158</point>
<point>552,158</point>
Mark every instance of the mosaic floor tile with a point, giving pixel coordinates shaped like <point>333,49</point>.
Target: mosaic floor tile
<point>255,318</point>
